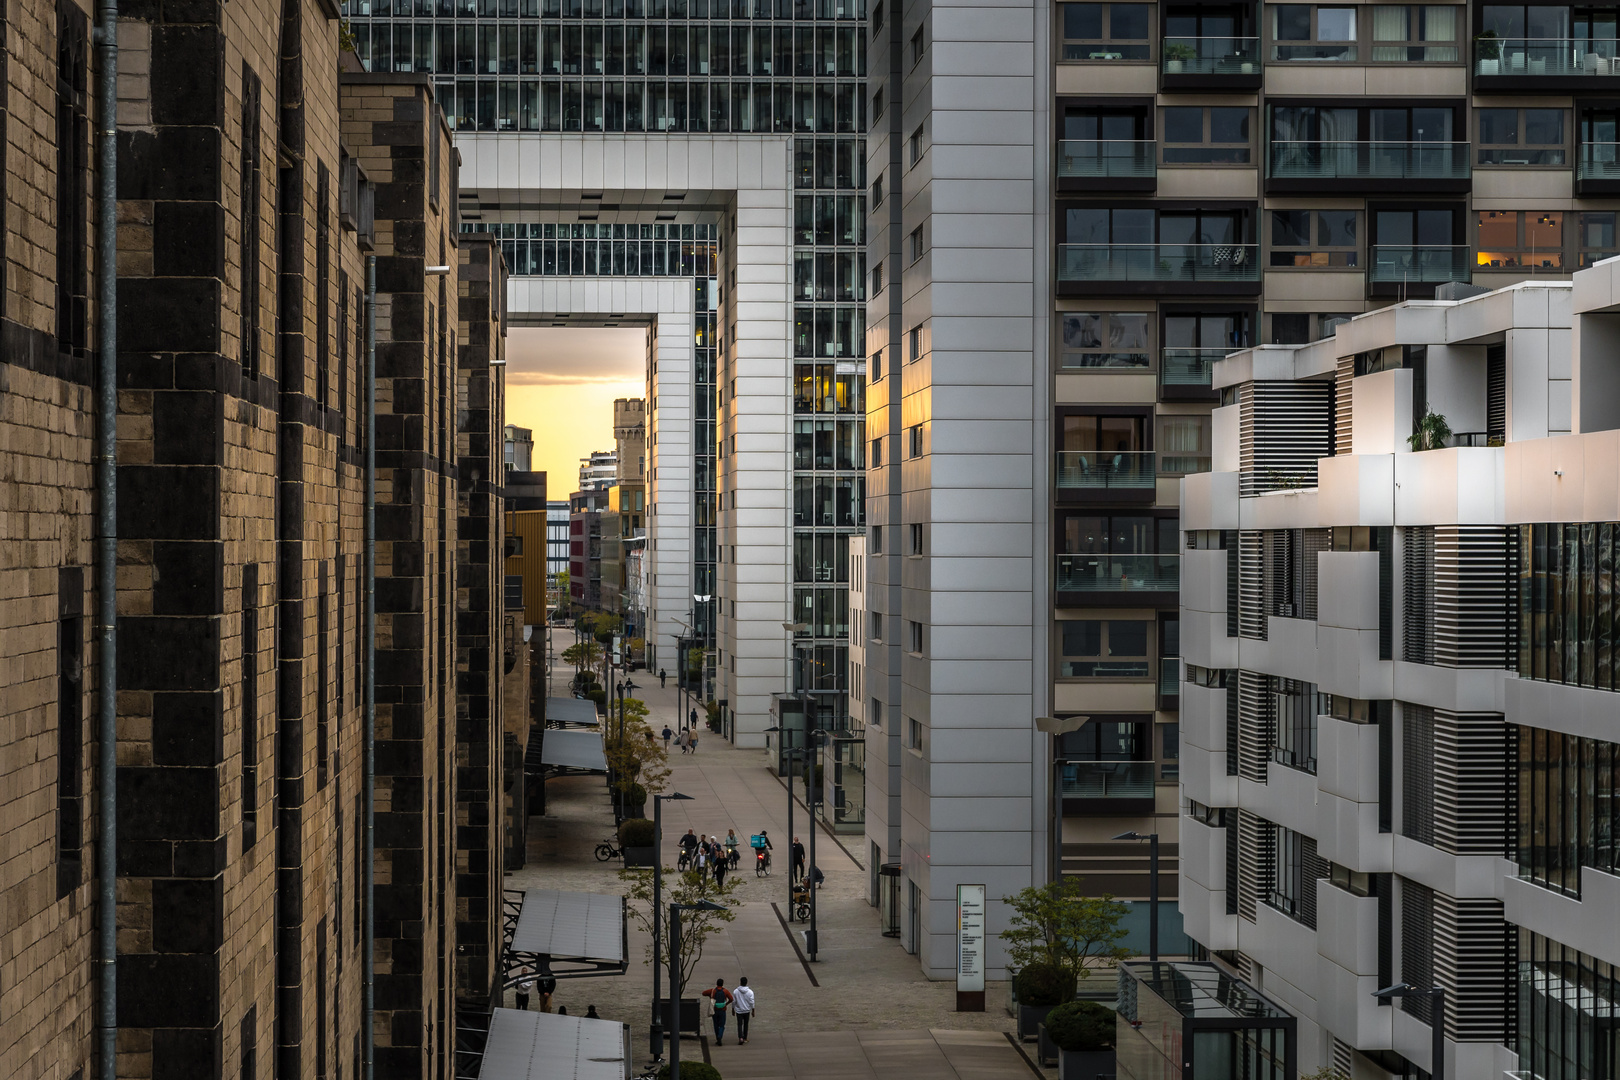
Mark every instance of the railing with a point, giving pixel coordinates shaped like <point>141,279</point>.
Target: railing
<point>1113,158</point>
<point>1104,669</point>
<point>1546,56</point>
<point>1158,262</point>
<point>1475,438</point>
<point>1085,470</point>
<point>1428,263</point>
<point>1108,779</point>
<point>1169,676</point>
<point>1210,56</point>
<point>1313,160</point>
<point>1598,161</point>
<point>1118,573</point>
<point>1189,367</point>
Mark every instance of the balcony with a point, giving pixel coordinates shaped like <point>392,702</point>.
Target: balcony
<point>1087,476</point>
<point>1545,65</point>
<point>1185,373</point>
<point>1085,269</point>
<point>1108,787</point>
<point>1111,164</point>
<point>1210,63</point>
<point>1118,580</point>
<point>1367,166</point>
<point>1397,268</point>
<point>1597,169</point>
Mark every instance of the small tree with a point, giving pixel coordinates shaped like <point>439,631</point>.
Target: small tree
<point>1429,432</point>
<point>697,927</point>
<point>1057,924</point>
<point>1326,1072</point>
<point>638,758</point>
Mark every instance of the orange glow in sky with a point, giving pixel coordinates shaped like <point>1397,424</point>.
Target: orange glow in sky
<point>561,384</point>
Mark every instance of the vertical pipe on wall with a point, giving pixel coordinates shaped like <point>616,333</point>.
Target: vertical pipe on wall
<point>106,42</point>
<point>369,736</point>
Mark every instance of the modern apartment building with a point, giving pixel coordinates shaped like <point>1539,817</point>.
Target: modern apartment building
<point>696,168</point>
<point>624,519</point>
<point>1075,210</point>
<point>556,543</point>
<point>598,472</point>
<point>519,442</point>
<point>1398,708</point>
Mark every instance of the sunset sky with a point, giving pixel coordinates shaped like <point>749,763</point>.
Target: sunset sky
<point>561,383</point>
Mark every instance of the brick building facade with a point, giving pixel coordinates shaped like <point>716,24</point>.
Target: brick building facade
<point>245,157</point>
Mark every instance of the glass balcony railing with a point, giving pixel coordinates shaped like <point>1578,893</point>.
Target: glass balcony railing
<point>1598,161</point>
<point>1108,779</point>
<point>1188,366</point>
<point>1118,573</point>
<point>1115,159</point>
<point>1546,56</point>
<point>1169,676</point>
<point>1312,160</point>
<point>1158,262</point>
<point>1085,470</point>
<point>1426,263</point>
<point>1210,56</point>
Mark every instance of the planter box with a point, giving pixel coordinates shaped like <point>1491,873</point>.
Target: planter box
<point>640,856</point>
<point>690,1015</point>
<point>1085,1064</point>
<point>1029,1020</point>
<point>1046,1051</point>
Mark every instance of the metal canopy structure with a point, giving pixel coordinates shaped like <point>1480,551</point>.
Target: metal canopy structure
<point>564,934</point>
<point>525,1045</point>
<point>565,751</point>
<point>570,712</point>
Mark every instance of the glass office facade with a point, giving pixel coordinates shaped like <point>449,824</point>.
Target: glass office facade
<point>1566,604</point>
<point>1566,1012</point>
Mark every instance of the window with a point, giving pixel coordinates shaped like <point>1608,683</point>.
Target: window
<point>915,336</point>
<point>1521,136</point>
<point>1106,31</point>
<point>70,688</point>
<point>1119,534</point>
<point>322,667</point>
<point>1414,33</point>
<point>877,17</point>
<point>248,177</point>
<point>875,713</point>
<point>323,273</point>
<point>1295,869</point>
<point>877,192</point>
<point>877,452</point>
<point>877,278</point>
<point>1295,706</point>
<point>1200,135</point>
<point>914,441</point>
<point>1105,648</point>
<point>877,540</point>
<point>1102,437</point>
<point>1184,443</point>
<point>1531,239</point>
<point>250,705</point>
<point>1107,740</point>
<point>916,243</point>
<point>1307,32</point>
<point>1595,237</point>
<point>918,45</point>
<point>877,105</point>
<point>1301,328</point>
<point>876,619</point>
<point>914,734</point>
<point>1112,339</point>
<point>915,144</point>
<point>72,181</point>
<point>916,538</point>
<point>1170,751</point>
<point>876,365</point>
<point>914,637</point>
<point>1314,238</point>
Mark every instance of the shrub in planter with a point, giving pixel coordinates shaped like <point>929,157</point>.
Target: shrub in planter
<point>635,799</point>
<point>692,1070</point>
<point>636,832</point>
<point>1081,1025</point>
<point>1045,984</point>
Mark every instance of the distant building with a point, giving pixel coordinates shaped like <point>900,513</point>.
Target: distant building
<point>585,548</point>
<point>556,543</point>
<point>599,471</point>
<point>519,448</point>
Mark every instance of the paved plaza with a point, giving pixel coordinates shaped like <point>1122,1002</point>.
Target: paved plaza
<point>863,1009</point>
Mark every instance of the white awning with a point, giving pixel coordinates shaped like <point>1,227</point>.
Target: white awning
<point>571,710</point>
<point>561,748</point>
<point>571,926</point>
<point>527,1045</point>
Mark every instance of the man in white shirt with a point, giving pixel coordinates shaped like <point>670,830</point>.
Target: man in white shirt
<point>742,1007</point>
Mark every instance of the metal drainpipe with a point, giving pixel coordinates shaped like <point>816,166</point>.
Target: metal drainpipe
<point>369,738</point>
<point>106,43</point>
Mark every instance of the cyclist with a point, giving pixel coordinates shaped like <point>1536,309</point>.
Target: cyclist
<point>731,848</point>
<point>762,852</point>
<point>689,844</point>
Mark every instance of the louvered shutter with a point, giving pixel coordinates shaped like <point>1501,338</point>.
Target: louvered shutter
<point>1469,749</point>
<point>1470,955</point>
<point>1312,542</point>
<point>1255,722</point>
<point>1251,584</point>
<point>1417,595</point>
<point>1255,861</point>
<point>1470,596</point>
<point>1417,773</point>
<point>1284,427</point>
<point>1344,373</point>
<point>1417,946</point>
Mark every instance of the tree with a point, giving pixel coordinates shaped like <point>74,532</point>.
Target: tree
<point>1326,1072</point>
<point>583,655</point>
<point>697,927</point>
<point>1058,924</point>
<point>639,758</point>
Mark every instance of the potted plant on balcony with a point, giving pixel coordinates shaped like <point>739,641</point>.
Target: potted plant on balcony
<point>1081,1034</point>
<point>1175,54</point>
<point>1488,52</point>
<point>1429,432</point>
<point>636,841</point>
<point>1058,934</point>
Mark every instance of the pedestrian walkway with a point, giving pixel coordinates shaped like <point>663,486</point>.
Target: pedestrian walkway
<point>862,1009</point>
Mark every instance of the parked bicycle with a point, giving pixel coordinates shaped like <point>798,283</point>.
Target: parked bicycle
<point>605,851</point>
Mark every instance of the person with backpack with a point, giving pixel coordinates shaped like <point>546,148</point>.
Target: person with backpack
<point>668,735</point>
<point>742,1006</point>
<point>720,997</point>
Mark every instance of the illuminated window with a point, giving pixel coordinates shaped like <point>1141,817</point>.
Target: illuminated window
<point>1528,239</point>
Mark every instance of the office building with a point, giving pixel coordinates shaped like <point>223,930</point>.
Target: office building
<point>1074,210</point>
<point>239,487</point>
<point>585,549</point>
<point>556,544</point>
<point>519,448</point>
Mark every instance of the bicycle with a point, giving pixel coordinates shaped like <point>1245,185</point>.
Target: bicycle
<point>605,851</point>
<point>801,903</point>
<point>762,862</point>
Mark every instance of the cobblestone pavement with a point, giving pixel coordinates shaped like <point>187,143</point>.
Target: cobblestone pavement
<point>824,1017</point>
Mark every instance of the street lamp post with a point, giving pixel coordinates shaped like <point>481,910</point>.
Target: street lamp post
<point>656,1035</point>
<point>1153,888</point>
<point>1057,727</point>
<point>675,978</point>
<point>810,812</point>
<point>1437,1052</point>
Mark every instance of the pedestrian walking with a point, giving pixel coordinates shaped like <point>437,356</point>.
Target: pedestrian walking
<point>590,1013</point>
<point>522,995</point>
<point>719,997</point>
<point>721,865</point>
<point>700,860</point>
<point>691,741</point>
<point>691,720</point>
<point>547,986</point>
<point>668,735</point>
<point>742,1007</point>
<point>798,859</point>
<point>660,678</point>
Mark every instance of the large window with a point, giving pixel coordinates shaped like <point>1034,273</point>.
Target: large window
<point>1566,1011</point>
<point>1112,339</point>
<point>1107,740</point>
<point>1315,238</point>
<point>1414,33</point>
<point>1106,31</point>
<point>1102,434</point>
<point>1295,706</point>
<point>1309,32</point>
<point>1521,137</point>
<point>1205,135</point>
<point>1105,648</point>
<point>1567,613</point>
<point>1295,869</point>
<point>1532,239</point>
<point>1595,238</point>
<point>1183,443</point>
<point>1302,328</point>
<point>1566,807</point>
<point>1119,534</point>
